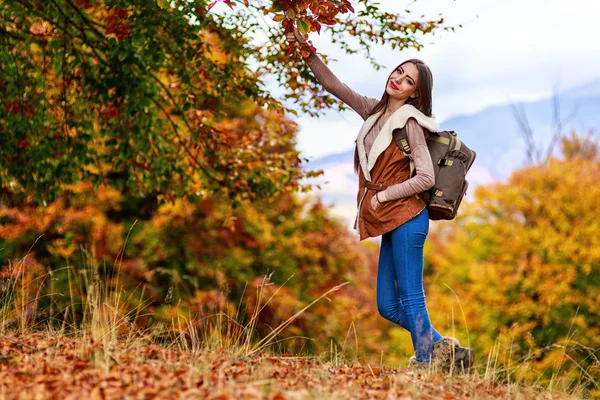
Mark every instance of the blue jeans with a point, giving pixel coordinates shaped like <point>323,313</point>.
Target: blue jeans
<point>401,264</point>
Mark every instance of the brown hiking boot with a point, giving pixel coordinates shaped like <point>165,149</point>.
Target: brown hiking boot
<point>443,351</point>
<point>419,367</point>
<point>464,357</point>
<point>449,355</point>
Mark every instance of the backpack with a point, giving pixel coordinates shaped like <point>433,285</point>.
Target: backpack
<point>452,159</point>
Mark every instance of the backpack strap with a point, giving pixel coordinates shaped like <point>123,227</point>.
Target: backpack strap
<point>439,139</point>
<point>401,139</point>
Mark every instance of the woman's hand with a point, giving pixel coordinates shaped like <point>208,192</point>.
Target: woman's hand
<point>295,36</point>
<point>374,203</point>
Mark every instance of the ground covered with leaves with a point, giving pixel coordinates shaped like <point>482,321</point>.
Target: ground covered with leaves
<point>47,366</point>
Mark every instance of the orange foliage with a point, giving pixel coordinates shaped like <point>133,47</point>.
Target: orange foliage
<point>209,259</point>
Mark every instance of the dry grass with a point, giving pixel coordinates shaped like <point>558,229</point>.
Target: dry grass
<point>108,356</point>
<point>68,367</point>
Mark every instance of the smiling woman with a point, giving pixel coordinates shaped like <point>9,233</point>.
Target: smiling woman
<point>395,210</point>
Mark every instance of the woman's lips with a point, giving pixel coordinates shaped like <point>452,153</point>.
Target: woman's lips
<point>393,86</point>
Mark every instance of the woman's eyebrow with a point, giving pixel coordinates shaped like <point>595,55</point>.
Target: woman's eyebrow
<point>402,69</point>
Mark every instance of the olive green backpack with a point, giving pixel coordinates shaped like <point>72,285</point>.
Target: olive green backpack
<point>452,159</point>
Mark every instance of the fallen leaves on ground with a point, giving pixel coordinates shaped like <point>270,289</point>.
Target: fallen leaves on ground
<point>70,368</point>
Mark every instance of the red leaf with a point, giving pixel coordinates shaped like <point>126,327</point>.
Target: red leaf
<point>23,142</point>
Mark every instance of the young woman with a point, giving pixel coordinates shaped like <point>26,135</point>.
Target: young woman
<point>388,199</point>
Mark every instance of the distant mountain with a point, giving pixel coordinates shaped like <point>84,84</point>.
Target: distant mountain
<point>493,133</point>
<point>590,89</point>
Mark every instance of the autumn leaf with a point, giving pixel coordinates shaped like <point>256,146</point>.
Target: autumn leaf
<point>302,26</point>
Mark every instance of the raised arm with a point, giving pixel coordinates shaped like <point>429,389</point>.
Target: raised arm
<point>359,103</point>
<point>424,178</point>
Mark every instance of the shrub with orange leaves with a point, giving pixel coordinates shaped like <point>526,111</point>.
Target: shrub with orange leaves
<point>204,257</point>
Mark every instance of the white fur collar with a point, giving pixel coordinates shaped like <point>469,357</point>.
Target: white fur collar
<point>384,137</point>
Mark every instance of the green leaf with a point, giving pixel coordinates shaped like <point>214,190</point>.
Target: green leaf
<point>302,26</point>
<point>163,3</point>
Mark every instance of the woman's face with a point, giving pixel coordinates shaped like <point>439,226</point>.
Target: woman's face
<point>403,81</point>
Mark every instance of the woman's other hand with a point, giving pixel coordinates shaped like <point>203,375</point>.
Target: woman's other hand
<point>374,203</point>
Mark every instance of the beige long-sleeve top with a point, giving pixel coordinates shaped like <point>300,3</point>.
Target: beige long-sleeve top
<point>424,177</point>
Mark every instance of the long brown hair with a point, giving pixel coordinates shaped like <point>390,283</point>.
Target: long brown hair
<point>422,102</point>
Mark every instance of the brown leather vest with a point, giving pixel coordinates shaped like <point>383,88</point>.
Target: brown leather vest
<point>391,167</point>
<point>387,165</point>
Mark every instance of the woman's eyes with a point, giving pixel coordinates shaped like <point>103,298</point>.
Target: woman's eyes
<point>400,71</point>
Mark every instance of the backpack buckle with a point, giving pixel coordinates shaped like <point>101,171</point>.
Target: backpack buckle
<point>405,146</point>
<point>436,192</point>
<point>445,162</point>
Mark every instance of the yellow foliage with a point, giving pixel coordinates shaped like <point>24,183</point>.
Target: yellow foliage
<point>524,258</point>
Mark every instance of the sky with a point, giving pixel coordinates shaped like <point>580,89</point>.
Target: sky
<point>508,50</point>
